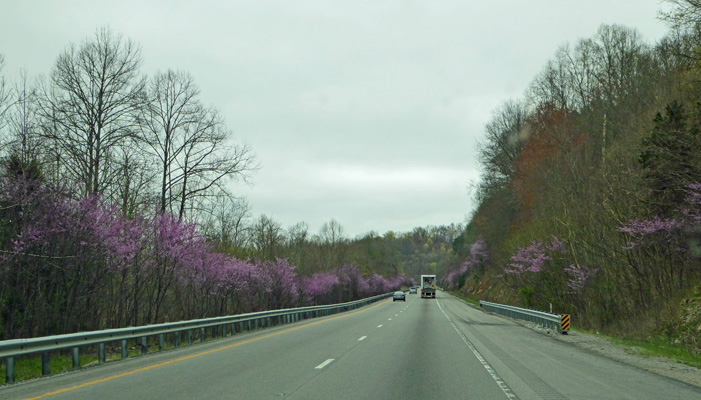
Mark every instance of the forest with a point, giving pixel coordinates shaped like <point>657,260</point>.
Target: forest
<point>590,190</point>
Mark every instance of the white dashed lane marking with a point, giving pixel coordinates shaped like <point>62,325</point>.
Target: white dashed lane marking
<point>325,363</point>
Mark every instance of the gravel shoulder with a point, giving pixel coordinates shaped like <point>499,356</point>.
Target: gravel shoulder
<point>628,355</point>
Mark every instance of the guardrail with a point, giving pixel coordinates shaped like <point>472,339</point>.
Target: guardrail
<point>561,322</point>
<point>219,327</point>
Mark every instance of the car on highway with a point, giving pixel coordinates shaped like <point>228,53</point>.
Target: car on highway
<point>412,290</point>
<point>399,296</point>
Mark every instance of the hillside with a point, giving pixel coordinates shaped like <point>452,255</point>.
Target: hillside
<point>590,198</point>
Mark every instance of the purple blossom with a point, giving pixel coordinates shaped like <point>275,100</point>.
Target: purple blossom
<point>578,277</point>
<point>529,259</point>
<point>556,245</point>
<point>479,254</point>
<point>666,229</point>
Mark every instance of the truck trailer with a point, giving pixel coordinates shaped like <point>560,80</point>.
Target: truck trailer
<point>428,286</point>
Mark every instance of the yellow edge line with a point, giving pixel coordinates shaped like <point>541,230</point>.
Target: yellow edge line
<point>109,378</point>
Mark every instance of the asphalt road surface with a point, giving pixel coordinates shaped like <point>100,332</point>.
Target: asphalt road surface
<point>419,349</point>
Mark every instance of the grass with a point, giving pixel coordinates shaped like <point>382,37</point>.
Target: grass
<point>467,299</point>
<point>661,348</point>
<point>30,367</point>
<point>653,347</point>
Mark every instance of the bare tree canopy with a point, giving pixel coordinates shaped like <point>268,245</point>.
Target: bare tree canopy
<point>267,236</point>
<point>4,95</point>
<point>504,139</point>
<point>89,106</point>
<point>228,221</point>
<point>603,68</point>
<point>685,14</point>
<point>190,142</point>
<point>23,139</point>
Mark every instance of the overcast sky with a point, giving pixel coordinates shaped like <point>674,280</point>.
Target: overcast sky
<point>367,112</point>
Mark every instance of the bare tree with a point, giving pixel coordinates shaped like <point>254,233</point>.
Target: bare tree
<point>190,142</point>
<point>331,233</point>
<point>333,243</point>
<point>134,178</point>
<point>228,221</point>
<point>686,14</point>
<point>22,123</point>
<point>89,105</point>
<point>619,59</point>
<point>553,85</point>
<point>297,234</point>
<point>5,98</point>
<point>506,134</point>
<point>267,236</point>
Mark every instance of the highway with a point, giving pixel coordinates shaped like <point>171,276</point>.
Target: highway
<point>419,349</point>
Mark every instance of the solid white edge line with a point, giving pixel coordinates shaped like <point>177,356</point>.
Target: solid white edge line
<point>500,382</point>
<point>362,338</point>
<point>325,363</point>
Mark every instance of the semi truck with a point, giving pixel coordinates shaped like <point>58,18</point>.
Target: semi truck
<point>428,286</point>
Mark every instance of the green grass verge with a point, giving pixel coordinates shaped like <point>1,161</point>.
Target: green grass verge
<point>467,299</point>
<point>658,347</point>
<point>30,367</point>
<point>654,347</point>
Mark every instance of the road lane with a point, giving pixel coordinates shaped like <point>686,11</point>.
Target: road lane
<point>249,366</point>
<point>417,355</point>
<point>535,366</point>
<point>418,349</point>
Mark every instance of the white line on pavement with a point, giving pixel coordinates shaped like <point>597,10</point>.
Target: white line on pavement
<point>502,385</point>
<point>362,338</point>
<point>325,363</point>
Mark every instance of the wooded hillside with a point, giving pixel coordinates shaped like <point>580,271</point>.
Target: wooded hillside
<point>590,197</point>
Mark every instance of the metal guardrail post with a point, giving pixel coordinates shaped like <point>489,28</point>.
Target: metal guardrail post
<point>10,370</point>
<point>75,353</point>
<point>45,363</point>
<point>144,345</point>
<point>125,350</point>
<point>101,358</point>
